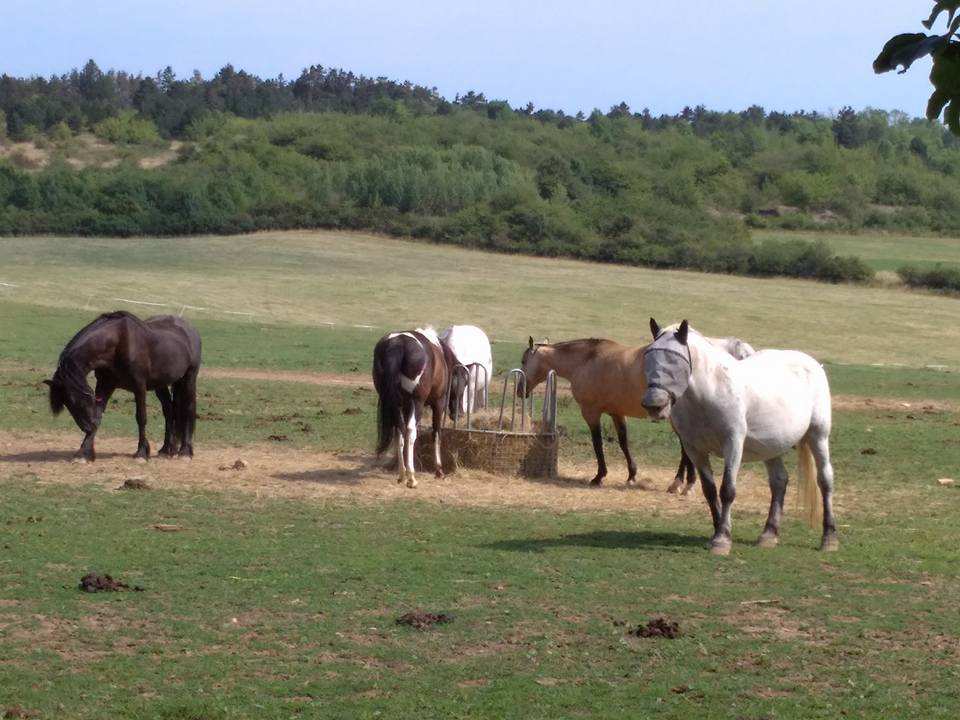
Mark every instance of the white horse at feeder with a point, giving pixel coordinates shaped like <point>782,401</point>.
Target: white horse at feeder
<point>744,410</point>
<point>471,348</point>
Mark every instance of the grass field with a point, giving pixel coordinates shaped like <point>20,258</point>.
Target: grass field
<point>884,251</point>
<point>276,597</point>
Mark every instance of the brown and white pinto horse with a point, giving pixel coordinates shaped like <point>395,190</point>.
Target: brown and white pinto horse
<point>410,369</point>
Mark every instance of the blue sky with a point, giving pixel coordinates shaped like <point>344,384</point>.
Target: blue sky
<point>726,54</point>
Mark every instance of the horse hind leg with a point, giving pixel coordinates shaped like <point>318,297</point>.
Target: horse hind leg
<point>593,422</point>
<point>621,426</point>
<point>820,447</point>
<point>185,407</point>
<point>143,445</point>
<point>169,447</point>
<point>437,407</point>
<point>401,464</point>
<point>778,478</point>
<point>410,449</point>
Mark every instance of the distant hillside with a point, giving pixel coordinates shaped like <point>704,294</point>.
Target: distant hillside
<point>331,149</point>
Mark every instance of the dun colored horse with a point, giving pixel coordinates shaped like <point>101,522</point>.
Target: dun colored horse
<point>410,369</point>
<point>124,352</point>
<point>755,409</point>
<point>607,378</point>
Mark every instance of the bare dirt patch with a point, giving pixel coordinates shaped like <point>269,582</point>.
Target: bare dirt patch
<point>279,470</point>
<point>307,378</point>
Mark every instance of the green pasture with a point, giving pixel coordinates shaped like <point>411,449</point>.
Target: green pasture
<point>308,279</point>
<point>278,608</point>
<point>882,251</point>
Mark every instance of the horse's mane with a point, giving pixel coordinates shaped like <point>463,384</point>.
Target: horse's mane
<point>99,320</point>
<point>69,372</point>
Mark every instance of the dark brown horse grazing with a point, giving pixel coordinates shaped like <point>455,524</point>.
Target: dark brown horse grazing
<point>127,353</point>
<point>410,369</point>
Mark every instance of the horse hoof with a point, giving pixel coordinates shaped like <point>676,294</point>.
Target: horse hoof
<point>830,544</point>
<point>721,549</point>
<point>79,460</point>
<point>438,474</point>
<point>411,482</point>
<point>768,541</point>
<point>597,481</point>
<point>185,458</point>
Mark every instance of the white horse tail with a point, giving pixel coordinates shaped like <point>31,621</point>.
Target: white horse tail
<point>808,497</point>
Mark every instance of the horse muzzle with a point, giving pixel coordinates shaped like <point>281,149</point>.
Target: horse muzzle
<point>657,402</point>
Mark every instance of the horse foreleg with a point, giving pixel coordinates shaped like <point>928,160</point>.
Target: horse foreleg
<point>685,465</point>
<point>104,389</point>
<point>169,421</point>
<point>86,452</point>
<point>709,487</point>
<point>143,447</point>
<point>778,478</point>
<point>723,538</point>
<point>621,426</point>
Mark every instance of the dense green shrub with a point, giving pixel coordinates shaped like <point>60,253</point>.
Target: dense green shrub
<point>938,278</point>
<point>127,129</point>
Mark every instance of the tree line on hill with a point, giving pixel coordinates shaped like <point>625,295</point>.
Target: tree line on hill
<point>338,150</point>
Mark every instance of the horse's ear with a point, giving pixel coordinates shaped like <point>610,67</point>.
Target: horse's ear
<point>531,342</point>
<point>654,328</point>
<point>683,332</point>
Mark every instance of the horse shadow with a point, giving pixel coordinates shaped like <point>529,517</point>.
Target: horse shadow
<point>52,456</point>
<point>604,540</point>
<point>361,467</point>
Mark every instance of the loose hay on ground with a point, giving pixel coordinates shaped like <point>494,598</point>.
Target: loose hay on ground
<point>277,470</point>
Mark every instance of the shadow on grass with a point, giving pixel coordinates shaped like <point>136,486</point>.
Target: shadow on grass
<point>54,456</point>
<point>362,466</point>
<point>604,539</point>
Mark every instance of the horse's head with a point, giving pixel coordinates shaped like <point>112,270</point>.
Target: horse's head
<point>667,365</point>
<point>75,395</point>
<point>534,366</point>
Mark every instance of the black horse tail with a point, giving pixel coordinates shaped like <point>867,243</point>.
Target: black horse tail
<point>387,369</point>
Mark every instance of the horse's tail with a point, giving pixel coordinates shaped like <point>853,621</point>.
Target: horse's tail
<point>808,496</point>
<point>387,368</point>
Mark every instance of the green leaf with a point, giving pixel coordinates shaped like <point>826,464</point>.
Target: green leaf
<point>945,74</point>
<point>936,104</point>
<point>950,6</point>
<point>905,49</point>
<point>952,116</point>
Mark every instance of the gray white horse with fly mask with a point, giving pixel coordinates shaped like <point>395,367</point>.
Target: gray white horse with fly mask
<point>743,410</point>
